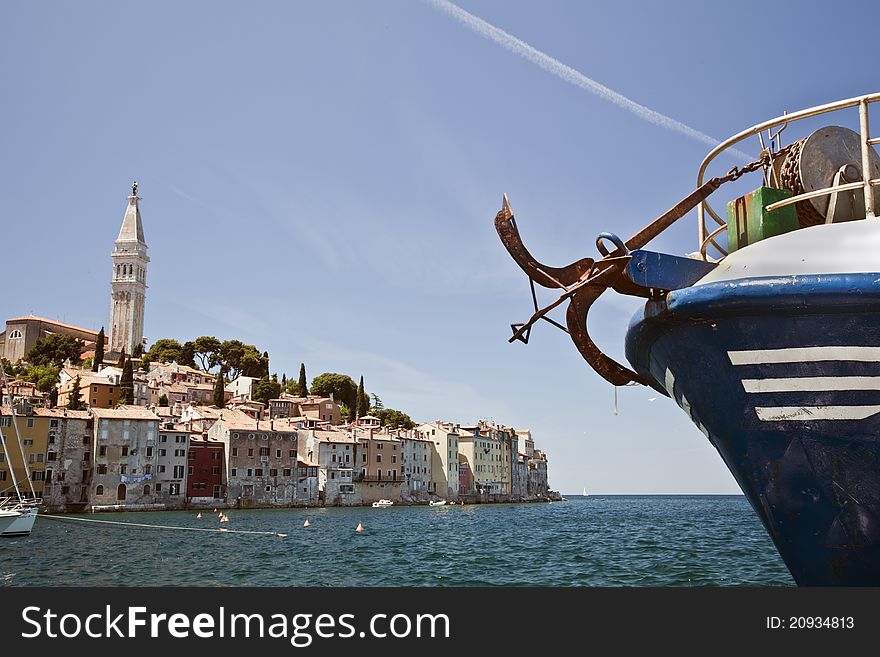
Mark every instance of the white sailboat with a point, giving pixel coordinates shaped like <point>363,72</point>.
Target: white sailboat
<point>18,514</point>
<point>7,518</point>
<point>585,492</point>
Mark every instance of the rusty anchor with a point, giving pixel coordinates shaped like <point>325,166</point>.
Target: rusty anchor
<point>584,280</point>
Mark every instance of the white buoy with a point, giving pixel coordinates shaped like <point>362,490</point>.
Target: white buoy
<point>359,528</point>
<point>306,523</point>
<point>215,510</point>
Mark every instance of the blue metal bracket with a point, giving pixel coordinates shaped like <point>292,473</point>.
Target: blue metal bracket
<point>661,271</point>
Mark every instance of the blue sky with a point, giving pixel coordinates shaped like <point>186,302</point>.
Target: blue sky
<point>320,179</point>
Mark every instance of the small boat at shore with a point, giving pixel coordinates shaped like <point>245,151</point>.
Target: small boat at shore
<point>19,513</point>
<point>382,503</point>
<point>7,518</point>
<point>437,503</point>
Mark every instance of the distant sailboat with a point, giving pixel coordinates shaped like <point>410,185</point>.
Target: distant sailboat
<point>585,492</point>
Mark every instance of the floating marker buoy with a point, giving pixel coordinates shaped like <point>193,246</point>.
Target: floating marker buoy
<point>306,523</point>
<point>359,528</point>
<point>215,510</point>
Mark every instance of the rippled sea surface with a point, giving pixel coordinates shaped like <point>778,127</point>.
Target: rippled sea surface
<point>584,541</point>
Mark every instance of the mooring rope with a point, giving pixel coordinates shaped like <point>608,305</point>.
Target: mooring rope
<point>221,530</point>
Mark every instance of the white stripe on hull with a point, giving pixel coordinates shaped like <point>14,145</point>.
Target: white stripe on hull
<point>812,384</point>
<point>804,355</point>
<point>802,413</point>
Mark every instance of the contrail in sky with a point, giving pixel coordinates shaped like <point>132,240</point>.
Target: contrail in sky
<point>570,75</point>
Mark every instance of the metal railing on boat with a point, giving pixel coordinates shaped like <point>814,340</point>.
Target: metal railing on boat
<point>707,238</point>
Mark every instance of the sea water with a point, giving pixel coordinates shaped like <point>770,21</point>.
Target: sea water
<point>583,541</point>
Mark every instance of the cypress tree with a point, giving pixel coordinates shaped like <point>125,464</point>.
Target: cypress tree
<point>219,386</point>
<point>98,360</point>
<point>74,400</point>
<point>284,381</point>
<point>53,397</point>
<point>303,386</point>
<point>363,404</point>
<point>127,383</point>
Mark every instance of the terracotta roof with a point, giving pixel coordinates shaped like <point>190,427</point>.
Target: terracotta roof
<point>60,412</point>
<point>46,320</point>
<point>125,413</point>
<point>252,425</point>
<point>307,464</point>
<point>334,437</point>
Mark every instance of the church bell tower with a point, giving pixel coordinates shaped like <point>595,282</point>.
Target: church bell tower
<point>129,285</point>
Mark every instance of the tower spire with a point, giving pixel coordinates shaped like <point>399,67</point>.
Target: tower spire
<point>129,283</point>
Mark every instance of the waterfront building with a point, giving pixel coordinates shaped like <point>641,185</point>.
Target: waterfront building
<point>168,463</point>
<point>538,485</point>
<point>380,466</point>
<point>444,458</point>
<point>68,459</point>
<point>261,460</point>
<point>129,281</point>
<point>417,463</point>
<point>465,474</point>
<point>124,443</point>
<point>307,490</point>
<point>335,453</point>
<point>22,333</point>
<point>206,470</point>
<point>481,448</point>
<point>33,431</point>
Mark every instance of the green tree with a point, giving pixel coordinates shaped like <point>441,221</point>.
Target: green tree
<point>54,349</point>
<point>74,398</point>
<point>377,404</point>
<point>284,381</point>
<point>53,397</point>
<point>241,359</point>
<point>219,387</point>
<point>302,384</point>
<point>164,350</point>
<point>395,419</point>
<point>138,350</point>
<point>341,386</point>
<point>207,349</point>
<point>45,376</point>
<point>98,359</point>
<point>266,389</point>
<point>126,382</point>
<point>163,399</point>
<point>363,402</point>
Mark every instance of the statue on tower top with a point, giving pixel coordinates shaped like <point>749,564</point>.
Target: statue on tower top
<point>134,188</point>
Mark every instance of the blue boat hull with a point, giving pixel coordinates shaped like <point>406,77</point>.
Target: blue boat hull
<point>782,374</point>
